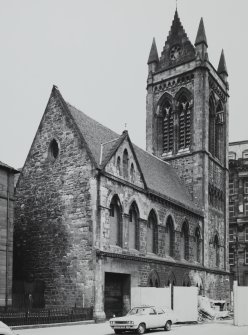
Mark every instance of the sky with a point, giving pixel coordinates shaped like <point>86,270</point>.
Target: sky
<point>96,51</point>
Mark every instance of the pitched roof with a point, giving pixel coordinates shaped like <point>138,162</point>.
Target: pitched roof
<point>7,167</point>
<point>201,35</point>
<point>159,176</point>
<point>94,133</point>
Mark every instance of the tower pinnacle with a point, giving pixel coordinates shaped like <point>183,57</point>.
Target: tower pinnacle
<point>222,64</point>
<point>201,35</point>
<point>153,56</point>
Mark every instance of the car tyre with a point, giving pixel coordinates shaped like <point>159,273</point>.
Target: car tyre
<point>167,326</point>
<point>141,329</point>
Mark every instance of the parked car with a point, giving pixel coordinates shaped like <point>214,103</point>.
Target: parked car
<point>142,318</point>
<point>5,330</point>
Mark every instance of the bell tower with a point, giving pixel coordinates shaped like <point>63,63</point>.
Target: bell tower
<point>187,124</point>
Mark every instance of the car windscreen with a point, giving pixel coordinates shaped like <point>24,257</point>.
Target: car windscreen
<point>141,311</point>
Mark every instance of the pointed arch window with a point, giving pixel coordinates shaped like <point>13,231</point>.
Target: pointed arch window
<point>219,120</point>
<point>184,246</point>
<point>211,132</point>
<point>168,126</point>
<point>153,279</point>
<point>125,163</point>
<point>186,281</point>
<point>169,237</point>
<point>216,251</point>
<point>152,234</point>
<point>198,244</point>
<point>133,227</point>
<point>132,173</point>
<point>118,164</point>
<point>184,123</point>
<point>115,214</point>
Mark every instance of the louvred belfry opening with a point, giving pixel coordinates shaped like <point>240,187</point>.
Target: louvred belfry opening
<point>184,123</point>
<point>168,126</point>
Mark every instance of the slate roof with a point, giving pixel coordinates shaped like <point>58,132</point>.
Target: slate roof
<point>159,176</point>
<point>7,167</point>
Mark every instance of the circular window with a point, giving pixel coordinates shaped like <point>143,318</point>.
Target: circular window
<point>54,149</point>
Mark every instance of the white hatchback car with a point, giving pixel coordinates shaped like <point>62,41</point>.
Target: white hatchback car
<point>5,330</point>
<point>142,318</point>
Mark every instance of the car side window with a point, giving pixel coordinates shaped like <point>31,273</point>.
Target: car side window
<point>152,311</point>
<point>160,311</point>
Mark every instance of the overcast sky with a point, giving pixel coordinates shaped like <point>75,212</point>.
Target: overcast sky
<point>96,52</point>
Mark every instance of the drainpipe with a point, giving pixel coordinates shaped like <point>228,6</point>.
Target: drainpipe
<point>7,245</point>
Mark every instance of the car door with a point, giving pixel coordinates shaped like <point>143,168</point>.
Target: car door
<point>152,318</point>
<point>161,317</point>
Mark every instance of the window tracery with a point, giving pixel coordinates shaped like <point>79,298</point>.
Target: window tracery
<point>168,126</point>
<point>184,123</point>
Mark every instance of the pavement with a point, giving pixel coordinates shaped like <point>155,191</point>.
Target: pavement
<point>209,328</point>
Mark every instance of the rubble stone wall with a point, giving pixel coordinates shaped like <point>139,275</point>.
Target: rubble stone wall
<point>53,214</point>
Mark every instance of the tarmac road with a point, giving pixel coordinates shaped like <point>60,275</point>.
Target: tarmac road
<point>211,328</point>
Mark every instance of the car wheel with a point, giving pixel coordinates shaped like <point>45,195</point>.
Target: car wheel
<point>141,329</point>
<point>167,326</point>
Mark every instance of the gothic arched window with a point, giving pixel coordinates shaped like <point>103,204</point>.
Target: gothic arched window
<point>168,126</point>
<point>186,281</point>
<point>211,132</point>
<point>184,246</point>
<point>169,236</point>
<point>152,233</point>
<point>197,245</point>
<point>115,221</point>
<point>219,136</point>
<point>132,173</point>
<point>133,227</point>
<point>153,279</point>
<point>118,163</point>
<point>184,123</point>
<point>125,163</point>
<point>216,251</point>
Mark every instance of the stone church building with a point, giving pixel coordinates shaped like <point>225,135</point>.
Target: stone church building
<point>97,215</point>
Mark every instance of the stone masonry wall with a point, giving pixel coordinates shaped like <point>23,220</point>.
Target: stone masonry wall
<point>53,226</point>
<point>127,195</point>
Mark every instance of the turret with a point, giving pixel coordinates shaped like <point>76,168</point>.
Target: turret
<point>201,44</point>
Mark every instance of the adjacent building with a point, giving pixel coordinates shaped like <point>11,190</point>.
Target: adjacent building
<point>7,175</point>
<point>97,215</point>
<point>238,211</point>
